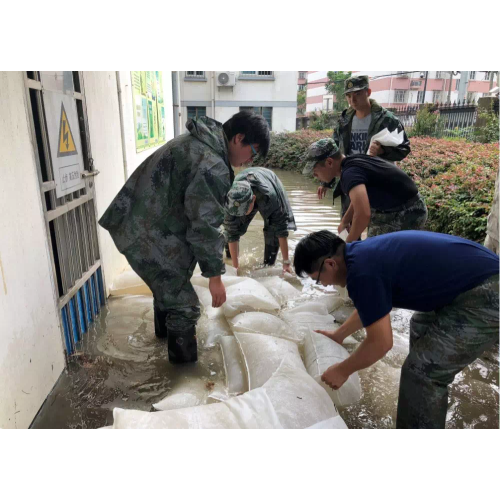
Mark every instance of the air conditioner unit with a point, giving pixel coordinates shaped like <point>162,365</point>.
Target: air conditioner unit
<point>225,78</point>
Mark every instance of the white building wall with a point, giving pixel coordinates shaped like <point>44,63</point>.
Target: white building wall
<point>31,349</point>
<point>279,93</point>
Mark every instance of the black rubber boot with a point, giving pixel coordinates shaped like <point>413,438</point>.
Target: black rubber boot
<point>182,347</point>
<point>270,254</point>
<point>160,322</point>
<point>228,253</point>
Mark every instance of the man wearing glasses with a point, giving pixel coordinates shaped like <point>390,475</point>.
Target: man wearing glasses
<point>451,282</point>
<point>258,189</point>
<point>383,198</point>
<point>167,218</point>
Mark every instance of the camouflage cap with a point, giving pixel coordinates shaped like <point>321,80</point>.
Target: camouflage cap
<point>239,198</point>
<point>318,151</point>
<point>356,83</point>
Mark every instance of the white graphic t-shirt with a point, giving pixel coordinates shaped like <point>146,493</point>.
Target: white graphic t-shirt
<point>359,134</point>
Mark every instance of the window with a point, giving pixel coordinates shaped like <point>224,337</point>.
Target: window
<point>487,75</point>
<point>196,112</point>
<point>302,86</point>
<point>439,74</point>
<point>472,75</point>
<point>264,75</point>
<point>471,97</point>
<point>302,74</point>
<point>195,75</point>
<point>437,96</point>
<point>400,96</point>
<point>420,96</point>
<point>267,113</point>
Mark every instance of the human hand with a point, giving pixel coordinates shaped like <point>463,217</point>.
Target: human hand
<point>322,192</point>
<point>217,290</point>
<point>287,268</point>
<point>376,149</point>
<point>334,376</point>
<point>331,334</point>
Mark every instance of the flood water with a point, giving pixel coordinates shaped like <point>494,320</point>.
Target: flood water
<point>122,364</point>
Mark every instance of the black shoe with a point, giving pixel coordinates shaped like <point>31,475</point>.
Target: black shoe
<point>270,254</point>
<point>160,323</point>
<point>182,347</point>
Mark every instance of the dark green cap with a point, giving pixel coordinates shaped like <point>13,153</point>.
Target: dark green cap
<point>239,198</point>
<point>318,151</point>
<point>356,83</point>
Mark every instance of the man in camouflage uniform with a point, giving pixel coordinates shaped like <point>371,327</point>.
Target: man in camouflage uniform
<point>358,124</point>
<point>383,197</point>
<point>451,282</point>
<point>167,218</point>
<point>258,189</point>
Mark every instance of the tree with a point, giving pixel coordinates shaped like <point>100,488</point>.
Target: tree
<point>301,102</point>
<point>335,86</point>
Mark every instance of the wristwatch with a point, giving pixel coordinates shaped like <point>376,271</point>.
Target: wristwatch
<point>286,262</point>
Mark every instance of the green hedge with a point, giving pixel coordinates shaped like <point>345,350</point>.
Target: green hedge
<point>456,178</point>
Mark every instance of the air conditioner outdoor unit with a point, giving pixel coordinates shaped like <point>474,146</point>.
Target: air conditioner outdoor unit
<point>225,78</point>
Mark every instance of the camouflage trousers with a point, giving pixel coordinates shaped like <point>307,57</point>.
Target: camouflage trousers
<point>412,215</point>
<point>442,343</point>
<point>166,266</point>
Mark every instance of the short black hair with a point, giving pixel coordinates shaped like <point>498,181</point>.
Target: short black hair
<point>253,126</point>
<point>311,248</point>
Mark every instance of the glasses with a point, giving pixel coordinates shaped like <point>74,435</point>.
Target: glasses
<point>254,153</point>
<point>319,272</point>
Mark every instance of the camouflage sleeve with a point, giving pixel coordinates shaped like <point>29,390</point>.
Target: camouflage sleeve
<point>396,153</point>
<point>203,202</point>
<point>232,228</point>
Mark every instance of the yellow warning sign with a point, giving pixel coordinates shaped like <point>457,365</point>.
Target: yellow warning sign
<point>66,142</point>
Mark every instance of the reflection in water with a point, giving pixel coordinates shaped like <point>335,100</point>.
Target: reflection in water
<point>125,366</point>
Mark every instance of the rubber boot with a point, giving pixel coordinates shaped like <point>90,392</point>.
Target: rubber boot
<point>228,253</point>
<point>182,347</point>
<point>270,254</point>
<point>160,322</point>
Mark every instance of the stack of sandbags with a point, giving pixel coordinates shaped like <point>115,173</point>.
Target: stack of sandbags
<point>320,353</point>
<point>290,399</point>
<point>280,289</point>
<point>263,323</point>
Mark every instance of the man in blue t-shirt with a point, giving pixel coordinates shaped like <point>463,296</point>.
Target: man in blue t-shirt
<point>451,282</point>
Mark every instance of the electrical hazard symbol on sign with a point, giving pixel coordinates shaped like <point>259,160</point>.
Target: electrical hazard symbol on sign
<point>66,142</point>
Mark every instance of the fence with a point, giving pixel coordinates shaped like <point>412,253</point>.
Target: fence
<point>455,120</point>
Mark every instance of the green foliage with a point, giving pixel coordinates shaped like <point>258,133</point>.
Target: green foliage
<point>288,149</point>
<point>335,86</point>
<point>301,102</point>
<point>323,120</point>
<point>489,132</point>
<point>427,122</point>
<point>457,181</point>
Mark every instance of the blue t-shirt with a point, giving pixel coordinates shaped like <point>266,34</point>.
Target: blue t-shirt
<point>414,270</point>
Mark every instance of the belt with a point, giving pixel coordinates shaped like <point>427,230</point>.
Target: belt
<point>399,208</point>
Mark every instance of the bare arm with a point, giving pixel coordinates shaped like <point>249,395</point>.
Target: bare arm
<point>362,212</point>
<point>284,252</point>
<point>346,219</point>
<point>234,251</point>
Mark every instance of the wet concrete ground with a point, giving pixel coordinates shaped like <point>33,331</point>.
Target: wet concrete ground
<point>122,364</point>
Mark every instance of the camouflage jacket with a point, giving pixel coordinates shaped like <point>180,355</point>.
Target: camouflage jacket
<point>181,190</point>
<point>381,118</point>
<point>271,200</point>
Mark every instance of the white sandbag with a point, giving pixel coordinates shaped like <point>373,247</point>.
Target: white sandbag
<point>263,323</point>
<point>263,355</point>
<point>248,295</point>
<point>332,423</point>
<point>129,283</point>
<point>234,366</point>
<point>297,399</point>
<point>312,307</point>
<point>320,353</point>
<point>280,289</point>
<point>252,410</point>
<point>176,401</point>
<point>332,301</point>
<point>270,271</point>
<point>303,320</point>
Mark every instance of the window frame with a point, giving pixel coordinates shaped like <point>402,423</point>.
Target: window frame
<point>260,112</point>
<point>196,108</point>
<point>195,78</point>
